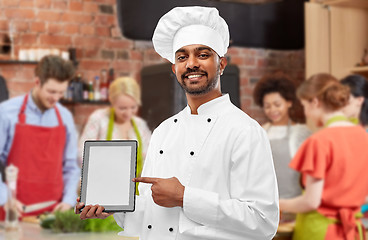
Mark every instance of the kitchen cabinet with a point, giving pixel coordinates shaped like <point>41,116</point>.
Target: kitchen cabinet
<point>336,34</point>
<point>346,3</point>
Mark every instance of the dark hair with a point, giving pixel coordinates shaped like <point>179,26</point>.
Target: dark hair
<point>359,88</point>
<point>55,67</point>
<point>274,83</point>
<point>327,89</point>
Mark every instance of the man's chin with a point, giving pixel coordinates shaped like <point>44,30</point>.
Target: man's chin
<point>50,105</point>
<point>196,91</point>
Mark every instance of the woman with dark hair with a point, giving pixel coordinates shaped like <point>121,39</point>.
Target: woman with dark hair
<point>331,162</point>
<point>275,93</point>
<point>357,107</point>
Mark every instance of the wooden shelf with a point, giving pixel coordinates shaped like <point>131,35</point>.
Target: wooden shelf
<point>27,62</point>
<point>359,69</point>
<point>62,101</point>
<point>346,3</point>
<point>17,62</point>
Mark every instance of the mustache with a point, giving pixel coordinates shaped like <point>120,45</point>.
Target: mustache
<point>189,70</point>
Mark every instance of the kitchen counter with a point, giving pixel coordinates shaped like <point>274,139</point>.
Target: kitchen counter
<point>33,231</point>
<point>284,231</point>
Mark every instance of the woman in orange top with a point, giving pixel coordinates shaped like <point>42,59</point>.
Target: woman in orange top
<point>333,165</point>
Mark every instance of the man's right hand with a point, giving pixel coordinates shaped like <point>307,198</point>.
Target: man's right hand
<point>90,211</point>
<point>19,206</point>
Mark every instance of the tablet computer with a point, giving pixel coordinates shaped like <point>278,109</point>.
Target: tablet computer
<point>107,173</point>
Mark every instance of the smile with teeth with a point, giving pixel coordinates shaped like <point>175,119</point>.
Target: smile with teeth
<point>194,76</point>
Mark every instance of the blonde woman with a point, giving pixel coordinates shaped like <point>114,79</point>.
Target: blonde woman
<point>119,121</point>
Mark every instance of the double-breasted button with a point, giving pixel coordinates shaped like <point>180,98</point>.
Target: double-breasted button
<point>175,120</point>
<point>171,229</point>
<point>161,152</point>
<point>192,153</point>
<point>149,226</point>
<point>209,120</point>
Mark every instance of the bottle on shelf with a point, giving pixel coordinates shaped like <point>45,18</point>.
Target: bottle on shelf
<point>70,90</point>
<point>97,95</point>
<point>11,214</point>
<point>104,85</point>
<point>85,91</point>
<point>78,88</point>
<point>365,58</point>
<point>111,76</point>
<point>90,91</point>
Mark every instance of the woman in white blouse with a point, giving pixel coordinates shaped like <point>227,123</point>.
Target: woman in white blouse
<point>276,95</point>
<point>119,121</point>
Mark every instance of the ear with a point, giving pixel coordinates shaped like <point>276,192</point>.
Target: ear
<point>173,68</point>
<point>315,102</point>
<point>223,63</point>
<point>289,104</point>
<point>359,100</point>
<point>38,82</point>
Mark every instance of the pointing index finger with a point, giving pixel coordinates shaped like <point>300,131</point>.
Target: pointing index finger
<point>145,180</point>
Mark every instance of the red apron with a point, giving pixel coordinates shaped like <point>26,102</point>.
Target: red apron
<point>38,153</point>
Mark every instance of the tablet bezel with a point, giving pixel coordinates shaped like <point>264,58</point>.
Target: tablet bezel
<point>84,178</point>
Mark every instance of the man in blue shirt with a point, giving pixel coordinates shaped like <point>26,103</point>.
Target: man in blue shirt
<point>38,136</point>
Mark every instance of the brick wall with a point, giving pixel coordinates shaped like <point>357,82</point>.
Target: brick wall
<point>90,26</point>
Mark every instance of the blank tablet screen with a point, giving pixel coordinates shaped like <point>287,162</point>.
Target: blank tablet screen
<point>108,170</point>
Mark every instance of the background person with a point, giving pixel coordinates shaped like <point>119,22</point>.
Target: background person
<point>357,107</point>
<point>119,121</point>
<point>275,93</point>
<point>209,171</point>
<point>332,162</point>
<point>38,136</point>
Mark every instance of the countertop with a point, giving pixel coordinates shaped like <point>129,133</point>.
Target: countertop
<point>32,231</point>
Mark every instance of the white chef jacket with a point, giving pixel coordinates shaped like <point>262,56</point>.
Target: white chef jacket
<point>224,160</point>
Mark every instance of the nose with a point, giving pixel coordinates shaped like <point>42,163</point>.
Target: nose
<point>192,62</point>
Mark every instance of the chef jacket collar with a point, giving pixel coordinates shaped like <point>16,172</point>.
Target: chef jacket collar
<point>212,106</point>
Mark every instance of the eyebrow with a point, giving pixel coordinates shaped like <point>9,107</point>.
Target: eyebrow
<point>203,48</point>
<point>181,50</point>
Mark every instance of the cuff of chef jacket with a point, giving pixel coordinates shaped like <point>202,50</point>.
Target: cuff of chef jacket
<point>119,219</point>
<point>196,202</point>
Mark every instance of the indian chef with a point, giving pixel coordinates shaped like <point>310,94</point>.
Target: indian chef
<point>38,136</point>
<point>208,173</point>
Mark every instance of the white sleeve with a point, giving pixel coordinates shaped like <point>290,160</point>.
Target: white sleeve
<point>252,211</point>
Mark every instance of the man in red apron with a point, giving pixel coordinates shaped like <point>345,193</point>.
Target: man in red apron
<point>38,136</point>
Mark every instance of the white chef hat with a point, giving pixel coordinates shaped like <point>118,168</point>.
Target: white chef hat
<point>184,26</point>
